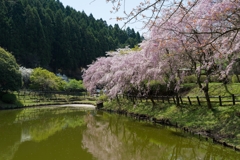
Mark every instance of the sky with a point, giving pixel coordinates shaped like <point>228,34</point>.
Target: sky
<point>101,9</point>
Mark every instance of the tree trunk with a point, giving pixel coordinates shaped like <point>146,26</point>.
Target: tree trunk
<point>118,101</point>
<point>177,100</point>
<point>205,89</point>
<point>153,102</point>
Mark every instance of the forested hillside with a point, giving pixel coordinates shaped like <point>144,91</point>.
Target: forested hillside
<point>45,33</point>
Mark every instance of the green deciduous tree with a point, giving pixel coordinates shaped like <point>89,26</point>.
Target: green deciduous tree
<point>10,78</point>
<point>75,85</point>
<point>42,79</point>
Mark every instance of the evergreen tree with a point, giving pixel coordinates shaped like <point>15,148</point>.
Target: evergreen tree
<point>35,43</point>
<point>4,40</point>
<point>44,33</point>
<point>57,61</point>
<point>17,22</point>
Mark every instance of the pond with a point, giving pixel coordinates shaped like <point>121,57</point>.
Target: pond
<point>82,133</point>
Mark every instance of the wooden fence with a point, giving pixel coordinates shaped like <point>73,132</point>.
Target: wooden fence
<point>220,100</point>
<point>57,96</point>
<point>198,100</point>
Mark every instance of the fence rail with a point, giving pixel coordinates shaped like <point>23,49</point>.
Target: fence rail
<point>57,96</point>
<point>198,100</point>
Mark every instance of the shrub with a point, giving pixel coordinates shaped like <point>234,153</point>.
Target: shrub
<point>186,87</point>
<point>103,98</point>
<point>193,79</point>
<point>190,79</point>
<point>75,85</point>
<point>9,98</point>
<point>19,104</point>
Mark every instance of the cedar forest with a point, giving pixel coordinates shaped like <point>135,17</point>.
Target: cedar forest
<point>44,33</point>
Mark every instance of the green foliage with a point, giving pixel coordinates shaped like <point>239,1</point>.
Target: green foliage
<point>193,79</point>
<point>10,78</point>
<point>61,84</point>
<point>33,98</point>
<point>45,33</point>
<point>187,87</point>
<point>103,98</point>
<point>155,87</point>
<point>136,48</point>
<point>42,131</point>
<point>74,85</point>
<point>235,79</point>
<point>190,79</point>
<point>9,98</point>
<point>215,89</point>
<point>149,88</point>
<point>42,79</point>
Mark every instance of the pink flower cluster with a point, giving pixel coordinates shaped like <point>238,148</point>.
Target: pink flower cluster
<point>201,35</point>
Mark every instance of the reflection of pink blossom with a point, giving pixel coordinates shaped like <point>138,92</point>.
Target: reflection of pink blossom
<point>113,141</point>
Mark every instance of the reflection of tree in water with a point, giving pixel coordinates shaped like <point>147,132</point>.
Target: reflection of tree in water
<point>116,139</point>
<point>29,114</point>
<point>98,142</point>
<point>112,140</point>
<point>38,125</point>
<point>9,152</point>
<point>42,129</point>
<point>108,136</point>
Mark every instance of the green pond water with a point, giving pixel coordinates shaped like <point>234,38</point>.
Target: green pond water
<point>75,133</point>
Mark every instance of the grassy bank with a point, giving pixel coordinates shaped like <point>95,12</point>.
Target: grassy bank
<point>221,124</point>
<point>28,100</point>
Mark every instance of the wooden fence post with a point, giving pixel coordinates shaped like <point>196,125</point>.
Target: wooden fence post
<point>220,101</point>
<point>174,100</point>
<point>181,99</point>
<point>189,100</point>
<point>233,99</point>
<point>168,99</point>
<point>198,101</point>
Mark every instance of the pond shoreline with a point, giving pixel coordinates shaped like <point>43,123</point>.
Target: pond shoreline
<point>203,134</point>
<point>50,104</point>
